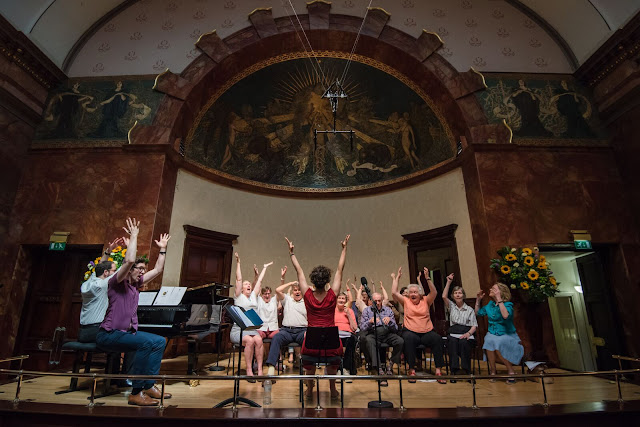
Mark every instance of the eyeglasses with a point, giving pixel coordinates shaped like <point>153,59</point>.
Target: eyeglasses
<point>140,268</point>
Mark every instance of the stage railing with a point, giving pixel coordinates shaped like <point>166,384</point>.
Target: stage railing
<point>20,374</point>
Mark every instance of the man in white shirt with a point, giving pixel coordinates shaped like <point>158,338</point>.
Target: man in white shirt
<point>94,295</point>
<point>95,301</point>
<point>294,323</point>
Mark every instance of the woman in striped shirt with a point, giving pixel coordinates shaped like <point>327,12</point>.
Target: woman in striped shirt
<point>462,325</point>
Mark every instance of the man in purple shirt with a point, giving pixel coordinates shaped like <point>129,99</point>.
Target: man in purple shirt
<point>386,330</point>
<point>119,329</point>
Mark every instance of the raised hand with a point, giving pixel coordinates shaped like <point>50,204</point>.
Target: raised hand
<point>255,270</point>
<point>480,294</point>
<point>290,243</point>
<point>399,273</point>
<point>125,240</point>
<point>450,278</point>
<point>114,244</point>
<point>267,265</point>
<point>345,241</point>
<point>283,271</point>
<point>237,257</point>
<point>133,227</point>
<point>164,240</point>
<point>426,272</point>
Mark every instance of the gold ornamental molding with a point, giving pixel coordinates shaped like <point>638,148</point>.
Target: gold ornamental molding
<point>380,9</point>
<point>155,82</point>
<point>484,82</point>
<point>259,9</point>
<point>435,34</point>
<point>205,34</point>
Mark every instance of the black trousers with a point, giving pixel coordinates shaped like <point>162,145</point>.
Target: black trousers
<point>460,353</point>
<point>429,339</point>
<point>349,362</point>
<point>384,336</point>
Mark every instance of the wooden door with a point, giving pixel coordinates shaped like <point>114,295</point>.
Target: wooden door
<point>601,309</point>
<point>53,301</point>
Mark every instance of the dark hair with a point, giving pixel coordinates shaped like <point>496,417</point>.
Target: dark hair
<point>141,260</point>
<point>402,290</point>
<point>265,289</point>
<point>102,267</point>
<point>320,276</point>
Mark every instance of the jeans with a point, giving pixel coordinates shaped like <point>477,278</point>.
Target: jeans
<point>282,338</point>
<point>148,351</point>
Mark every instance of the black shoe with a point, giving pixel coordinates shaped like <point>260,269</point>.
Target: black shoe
<point>453,381</point>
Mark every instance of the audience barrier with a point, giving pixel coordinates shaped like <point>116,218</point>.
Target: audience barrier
<point>162,379</point>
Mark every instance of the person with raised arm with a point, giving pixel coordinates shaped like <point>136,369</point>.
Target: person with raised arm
<point>119,329</point>
<point>501,341</point>
<point>268,309</point>
<point>320,301</point>
<point>462,325</point>
<point>347,325</point>
<point>294,323</point>
<point>246,297</point>
<point>418,328</point>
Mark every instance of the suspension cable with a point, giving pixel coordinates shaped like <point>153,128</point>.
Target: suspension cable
<point>355,43</point>
<point>316,66</point>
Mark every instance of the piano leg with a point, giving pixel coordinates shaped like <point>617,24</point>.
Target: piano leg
<point>193,350</point>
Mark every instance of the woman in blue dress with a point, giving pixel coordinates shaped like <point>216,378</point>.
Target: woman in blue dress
<point>501,341</point>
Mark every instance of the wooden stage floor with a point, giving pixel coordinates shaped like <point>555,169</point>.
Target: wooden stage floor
<point>423,394</point>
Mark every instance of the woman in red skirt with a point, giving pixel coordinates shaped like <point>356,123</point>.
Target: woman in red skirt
<point>320,301</point>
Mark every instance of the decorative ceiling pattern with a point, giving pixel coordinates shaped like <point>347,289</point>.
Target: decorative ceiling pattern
<point>153,35</point>
<point>488,34</point>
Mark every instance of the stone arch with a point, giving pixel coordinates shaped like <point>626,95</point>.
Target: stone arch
<point>416,58</point>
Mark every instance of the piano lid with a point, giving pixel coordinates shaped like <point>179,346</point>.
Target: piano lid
<point>206,294</point>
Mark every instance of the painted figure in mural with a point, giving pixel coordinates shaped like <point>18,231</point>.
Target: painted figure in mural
<point>237,127</point>
<point>408,139</point>
<point>528,104</point>
<point>114,108</point>
<point>576,109</point>
<point>67,109</point>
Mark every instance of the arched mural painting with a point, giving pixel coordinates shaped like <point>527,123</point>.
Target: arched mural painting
<point>259,127</point>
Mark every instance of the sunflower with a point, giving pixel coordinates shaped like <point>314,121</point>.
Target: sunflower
<point>542,258</point>
<point>529,261</point>
<point>510,257</point>
<point>124,252</point>
<point>505,269</point>
<point>542,265</point>
<point>110,259</point>
<point>533,275</point>
<point>527,251</point>
<point>118,249</point>
<point>553,281</point>
<point>524,285</point>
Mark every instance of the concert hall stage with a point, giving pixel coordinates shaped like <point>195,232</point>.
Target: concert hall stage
<point>586,400</point>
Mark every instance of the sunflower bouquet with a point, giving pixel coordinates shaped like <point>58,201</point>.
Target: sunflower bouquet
<point>117,256</point>
<point>527,271</point>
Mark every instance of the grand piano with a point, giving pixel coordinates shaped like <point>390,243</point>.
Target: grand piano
<point>198,315</point>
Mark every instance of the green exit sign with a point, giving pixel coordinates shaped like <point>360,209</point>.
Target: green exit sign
<point>57,246</point>
<point>582,244</point>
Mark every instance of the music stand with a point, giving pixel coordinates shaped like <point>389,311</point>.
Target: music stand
<point>322,338</point>
<point>238,320</point>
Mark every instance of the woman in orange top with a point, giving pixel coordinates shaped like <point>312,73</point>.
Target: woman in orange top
<point>418,328</point>
<point>346,322</point>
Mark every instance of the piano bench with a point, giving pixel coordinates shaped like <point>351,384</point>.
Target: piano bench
<point>84,355</point>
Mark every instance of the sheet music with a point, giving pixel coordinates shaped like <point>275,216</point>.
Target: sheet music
<point>170,295</point>
<point>246,320</point>
<point>146,298</point>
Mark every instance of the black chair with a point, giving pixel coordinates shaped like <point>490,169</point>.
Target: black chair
<point>84,353</point>
<point>320,339</point>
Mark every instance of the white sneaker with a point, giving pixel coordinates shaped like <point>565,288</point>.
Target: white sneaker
<point>349,380</point>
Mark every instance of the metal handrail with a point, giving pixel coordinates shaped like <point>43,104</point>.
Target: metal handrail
<point>163,378</point>
<point>11,359</point>
<point>630,359</point>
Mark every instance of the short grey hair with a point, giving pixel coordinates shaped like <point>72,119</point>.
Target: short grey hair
<point>418,287</point>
